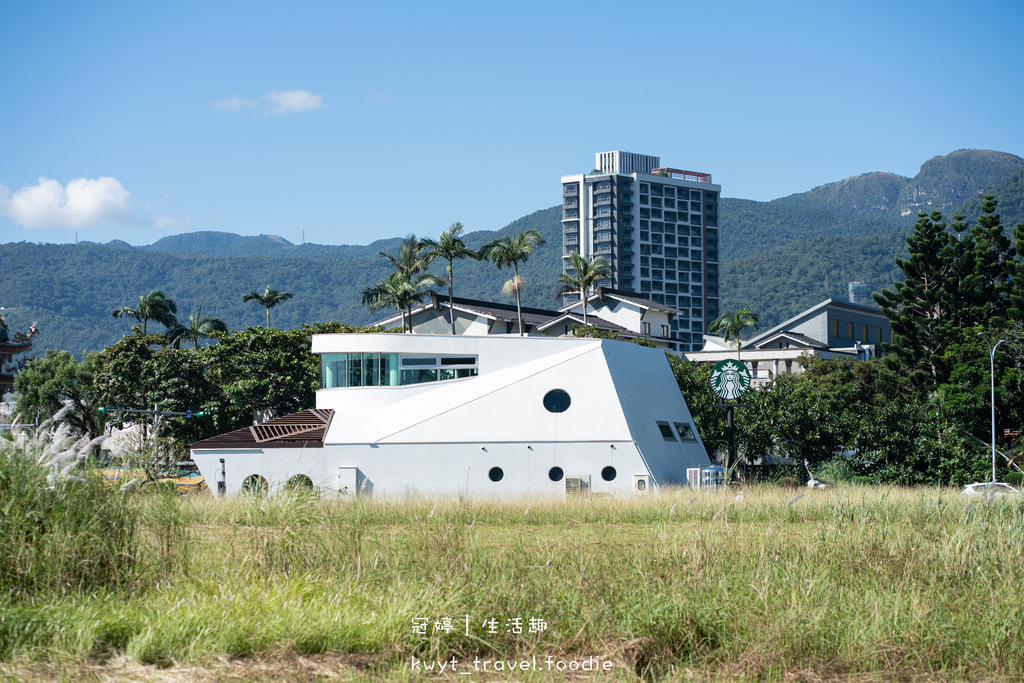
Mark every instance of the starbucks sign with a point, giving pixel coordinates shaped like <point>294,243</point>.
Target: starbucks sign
<point>730,379</point>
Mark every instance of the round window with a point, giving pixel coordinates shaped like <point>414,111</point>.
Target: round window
<point>256,485</point>
<point>496,474</point>
<point>555,474</point>
<point>300,482</point>
<point>608,473</point>
<point>557,401</point>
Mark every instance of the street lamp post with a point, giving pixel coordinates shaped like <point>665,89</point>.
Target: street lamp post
<point>992,390</point>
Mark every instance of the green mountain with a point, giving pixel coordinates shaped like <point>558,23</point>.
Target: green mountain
<point>866,196</point>
<point>1010,197</point>
<point>945,183</point>
<point>779,257</point>
<point>71,289</point>
<point>868,204</point>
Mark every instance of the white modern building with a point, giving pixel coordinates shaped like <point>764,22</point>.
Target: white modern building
<point>495,415</point>
<point>656,227</point>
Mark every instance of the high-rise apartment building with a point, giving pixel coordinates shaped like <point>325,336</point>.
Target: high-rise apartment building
<point>658,230</point>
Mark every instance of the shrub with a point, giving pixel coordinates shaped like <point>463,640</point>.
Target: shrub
<point>62,529</point>
<point>1014,478</point>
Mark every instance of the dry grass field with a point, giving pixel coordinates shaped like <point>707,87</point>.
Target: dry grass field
<point>853,583</point>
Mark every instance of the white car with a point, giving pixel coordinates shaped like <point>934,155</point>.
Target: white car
<point>990,489</point>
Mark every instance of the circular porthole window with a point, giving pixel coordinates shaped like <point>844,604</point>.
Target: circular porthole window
<point>496,474</point>
<point>300,482</point>
<point>557,401</point>
<point>608,473</point>
<point>255,485</point>
<point>555,474</point>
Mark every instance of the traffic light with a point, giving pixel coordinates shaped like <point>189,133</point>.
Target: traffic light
<point>204,413</point>
<point>105,409</point>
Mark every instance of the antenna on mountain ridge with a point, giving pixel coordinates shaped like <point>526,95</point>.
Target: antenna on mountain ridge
<point>303,235</point>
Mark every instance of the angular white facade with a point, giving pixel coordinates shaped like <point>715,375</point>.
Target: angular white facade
<point>492,415</point>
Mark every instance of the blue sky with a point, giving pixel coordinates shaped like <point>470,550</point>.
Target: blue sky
<point>358,121</point>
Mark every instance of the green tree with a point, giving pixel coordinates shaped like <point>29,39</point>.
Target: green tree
<point>694,380</point>
<point>584,275</point>
<point>920,311</point>
<point>395,292</point>
<point>258,369</point>
<point>994,265</point>
<point>268,299</point>
<point>408,284</point>
<point>153,306</point>
<point>1015,300</point>
<point>731,325</point>
<point>450,246</point>
<point>511,251</point>
<point>134,376</point>
<point>198,327</point>
<point>56,381</point>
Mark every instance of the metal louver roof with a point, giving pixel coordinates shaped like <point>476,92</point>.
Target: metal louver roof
<point>291,425</point>
<point>304,429</point>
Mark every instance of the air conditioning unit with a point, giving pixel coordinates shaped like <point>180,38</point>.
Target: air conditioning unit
<point>577,485</point>
<point>693,477</point>
<point>641,483</point>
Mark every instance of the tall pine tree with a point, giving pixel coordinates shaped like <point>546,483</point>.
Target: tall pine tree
<point>993,266</point>
<point>953,281</point>
<point>920,310</point>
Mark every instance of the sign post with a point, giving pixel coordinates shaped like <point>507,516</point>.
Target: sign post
<point>730,379</point>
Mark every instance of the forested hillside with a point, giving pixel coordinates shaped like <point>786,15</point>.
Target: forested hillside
<point>71,289</point>
<point>779,257</point>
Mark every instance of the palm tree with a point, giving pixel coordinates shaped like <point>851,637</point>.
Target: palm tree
<point>588,273</point>
<point>511,251</point>
<point>153,306</point>
<point>408,284</point>
<point>197,328</point>
<point>396,292</point>
<point>731,325</point>
<point>413,258</point>
<point>450,246</point>
<point>268,299</point>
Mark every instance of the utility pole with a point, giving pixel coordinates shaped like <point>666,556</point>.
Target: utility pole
<point>992,390</point>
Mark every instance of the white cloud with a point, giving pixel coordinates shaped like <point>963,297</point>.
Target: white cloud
<point>292,101</point>
<point>233,103</point>
<point>82,203</point>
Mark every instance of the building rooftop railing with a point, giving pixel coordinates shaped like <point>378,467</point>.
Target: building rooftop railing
<point>692,176</point>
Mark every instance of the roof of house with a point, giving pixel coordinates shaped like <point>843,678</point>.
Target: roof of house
<point>489,309</point>
<point>800,339</point>
<point>577,319</point>
<point>630,297</point>
<point>814,310</point>
<point>604,293</point>
<point>540,318</point>
<point>304,429</point>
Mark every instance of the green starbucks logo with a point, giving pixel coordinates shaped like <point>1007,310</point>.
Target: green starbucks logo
<point>730,379</point>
